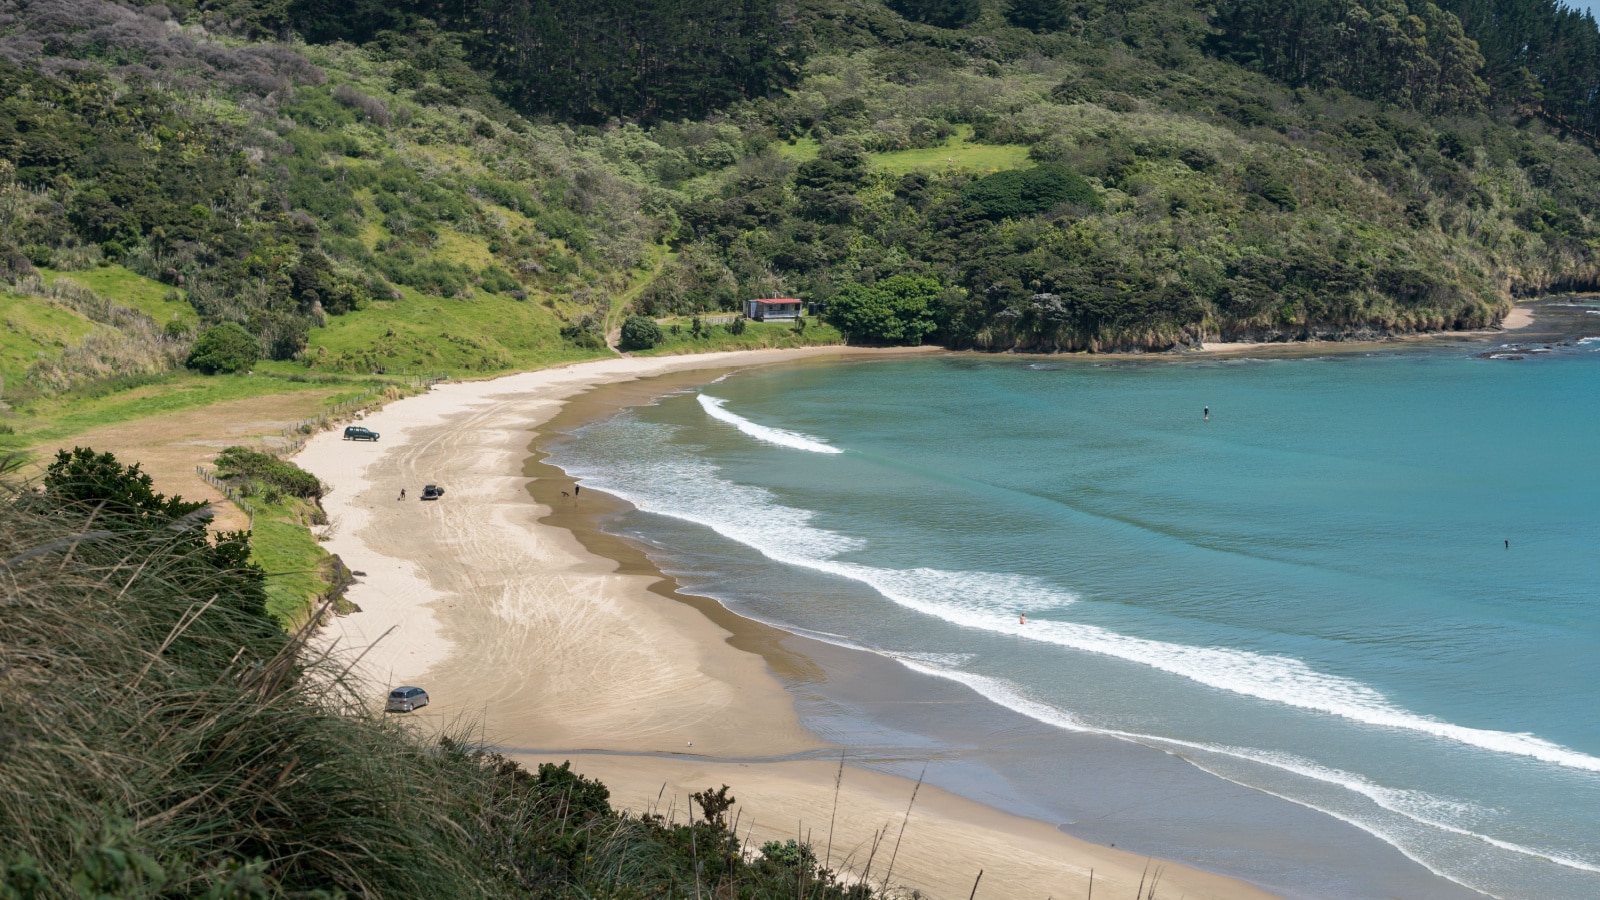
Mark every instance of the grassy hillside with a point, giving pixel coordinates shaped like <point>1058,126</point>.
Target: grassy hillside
<point>384,208</point>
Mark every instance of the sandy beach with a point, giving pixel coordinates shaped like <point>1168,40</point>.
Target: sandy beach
<point>551,651</point>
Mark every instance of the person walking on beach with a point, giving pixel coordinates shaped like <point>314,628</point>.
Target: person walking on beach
<point>576,489</point>
<point>402,493</point>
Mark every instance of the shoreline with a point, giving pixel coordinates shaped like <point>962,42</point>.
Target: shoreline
<point>841,688</point>
<point>527,637</point>
<point>1520,317</point>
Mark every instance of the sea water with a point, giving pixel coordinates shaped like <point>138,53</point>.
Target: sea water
<point>1367,583</point>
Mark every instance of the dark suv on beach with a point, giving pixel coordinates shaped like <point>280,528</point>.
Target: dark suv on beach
<point>358,433</point>
<point>406,699</point>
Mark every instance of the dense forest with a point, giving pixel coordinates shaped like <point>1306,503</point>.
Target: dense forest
<point>1050,175</point>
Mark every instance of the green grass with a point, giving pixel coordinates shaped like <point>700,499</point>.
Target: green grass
<point>132,290</point>
<point>30,326</point>
<point>757,336</point>
<point>955,153</point>
<point>657,259</point>
<point>69,414</point>
<point>485,334</point>
<point>295,563</point>
<point>800,150</point>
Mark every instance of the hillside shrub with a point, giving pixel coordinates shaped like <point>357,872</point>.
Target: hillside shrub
<point>897,310</point>
<point>585,333</point>
<point>224,350</point>
<point>265,470</point>
<point>639,333</point>
<point>1023,192</point>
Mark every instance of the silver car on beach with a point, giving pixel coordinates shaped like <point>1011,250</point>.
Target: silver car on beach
<point>406,699</point>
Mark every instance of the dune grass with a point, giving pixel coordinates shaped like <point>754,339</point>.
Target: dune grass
<point>165,739</point>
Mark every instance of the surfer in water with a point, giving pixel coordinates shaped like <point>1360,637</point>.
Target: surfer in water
<point>1207,414</point>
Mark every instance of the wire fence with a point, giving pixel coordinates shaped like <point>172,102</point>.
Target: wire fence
<point>295,436</point>
<point>228,491</point>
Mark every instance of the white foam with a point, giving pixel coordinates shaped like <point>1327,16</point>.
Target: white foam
<point>715,407</point>
<point>1416,806</point>
<point>691,489</point>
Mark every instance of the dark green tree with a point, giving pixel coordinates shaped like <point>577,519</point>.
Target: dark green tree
<point>943,13</point>
<point>1023,192</point>
<point>639,333</point>
<point>593,60</point>
<point>1039,16</point>
<point>897,310</point>
<point>123,494</point>
<point>224,350</point>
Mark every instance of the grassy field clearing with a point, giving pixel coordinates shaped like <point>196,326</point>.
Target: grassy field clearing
<point>956,153</point>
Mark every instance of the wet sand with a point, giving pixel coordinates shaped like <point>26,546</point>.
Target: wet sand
<point>525,634</point>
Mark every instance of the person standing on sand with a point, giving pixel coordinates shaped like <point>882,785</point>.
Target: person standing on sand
<point>402,493</point>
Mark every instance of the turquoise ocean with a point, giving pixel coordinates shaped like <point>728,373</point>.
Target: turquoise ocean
<point>1310,595</point>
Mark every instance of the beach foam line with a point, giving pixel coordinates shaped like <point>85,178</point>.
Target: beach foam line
<point>715,407</point>
<point>1403,803</point>
<point>674,483</point>
<point>1277,679</point>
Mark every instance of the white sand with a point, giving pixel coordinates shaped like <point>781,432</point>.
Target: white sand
<point>515,628</point>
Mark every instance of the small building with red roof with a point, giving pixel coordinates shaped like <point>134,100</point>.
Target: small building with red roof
<point>772,309</point>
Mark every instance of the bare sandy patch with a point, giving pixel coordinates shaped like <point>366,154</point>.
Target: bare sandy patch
<point>169,446</point>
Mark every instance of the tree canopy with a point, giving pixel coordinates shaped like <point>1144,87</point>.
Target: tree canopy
<point>897,310</point>
<point>225,350</point>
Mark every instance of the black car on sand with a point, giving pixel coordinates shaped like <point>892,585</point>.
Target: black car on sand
<point>360,433</point>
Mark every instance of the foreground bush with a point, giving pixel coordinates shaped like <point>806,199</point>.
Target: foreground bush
<point>163,738</point>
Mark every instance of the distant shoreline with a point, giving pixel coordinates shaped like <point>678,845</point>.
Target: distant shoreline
<point>516,626</point>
